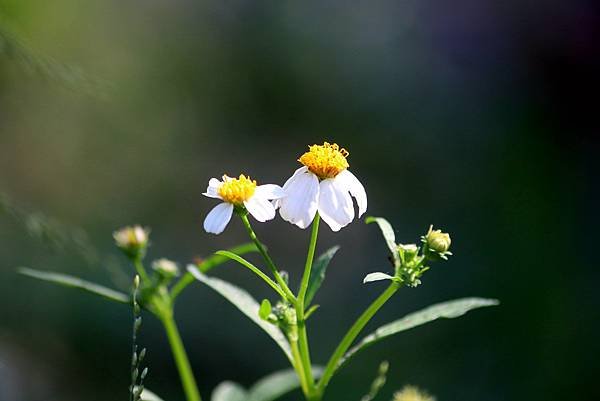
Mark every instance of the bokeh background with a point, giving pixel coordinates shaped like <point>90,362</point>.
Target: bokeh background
<point>477,116</point>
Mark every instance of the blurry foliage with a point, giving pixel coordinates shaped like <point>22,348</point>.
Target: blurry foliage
<point>14,49</point>
<point>50,231</point>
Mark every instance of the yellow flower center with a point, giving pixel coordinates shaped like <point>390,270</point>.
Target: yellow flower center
<point>237,190</point>
<point>326,161</point>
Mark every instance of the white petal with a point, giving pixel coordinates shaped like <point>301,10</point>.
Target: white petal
<point>335,204</point>
<point>356,189</point>
<point>269,191</point>
<point>216,220</point>
<point>212,191</point>
<point>300,205</point>
<point>260,208</point>
<point>298,171</point>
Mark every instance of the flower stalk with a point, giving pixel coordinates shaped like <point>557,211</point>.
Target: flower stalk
<point>182,362</point>
<point>352,333</point>
<point>300,307</point>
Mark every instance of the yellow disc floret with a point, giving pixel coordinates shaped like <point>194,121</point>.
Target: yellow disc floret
<point>326,161</point>
<point>237,190</point>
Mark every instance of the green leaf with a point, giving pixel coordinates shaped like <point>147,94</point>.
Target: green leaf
<point>388,235</point>
<point>148,395</point>
<point>75,282</point>
<point>277,384</point>
<point>318,273</point>
<point>245,303</point>
<point>376,277</point>
<point>448,310</point>
<point>229,391</point>
<point>216,259</point>
<point>265,309</point>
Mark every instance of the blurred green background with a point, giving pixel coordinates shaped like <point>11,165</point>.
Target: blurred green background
<point>471,115</point>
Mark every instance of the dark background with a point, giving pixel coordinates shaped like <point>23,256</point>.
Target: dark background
<point>477,116</point>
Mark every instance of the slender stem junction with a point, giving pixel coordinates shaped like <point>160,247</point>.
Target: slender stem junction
<point>263,251</point>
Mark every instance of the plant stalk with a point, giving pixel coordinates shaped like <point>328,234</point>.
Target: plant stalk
<point>181,360</point>
<point>300,307</point>
<point>351,335</point>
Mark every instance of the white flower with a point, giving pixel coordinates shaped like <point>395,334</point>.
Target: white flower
<point>132,240</point>
<point>323,184</point>
<point>166,267</point>
<point>238,192</point>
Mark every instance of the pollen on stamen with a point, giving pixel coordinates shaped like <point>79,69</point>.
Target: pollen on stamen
<point>237,190</point>
<point>326,161</point>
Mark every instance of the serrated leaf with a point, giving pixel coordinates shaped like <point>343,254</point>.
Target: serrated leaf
<point>276,384</point>
<point>318,273</point>
<point>75,282</point>
<point>376,277</point>
<point>448,310</point>
<point>229,391</point>
<point>245,303</point>
<point>388,235</point>
<point>265,309</point>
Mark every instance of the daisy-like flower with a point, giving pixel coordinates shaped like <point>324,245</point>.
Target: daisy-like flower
<point>323,184</point>
<point>239,192</point>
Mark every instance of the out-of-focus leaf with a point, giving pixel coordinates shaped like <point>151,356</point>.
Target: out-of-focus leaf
<point>148,395</point>
<point>229,391</point>
<point>245,303</point>
<point>318,273</point>
<point>75,282</point>
<point>448,310</point>
<point>388,235</point>
<point>277,384</point>
<point>376,277</point>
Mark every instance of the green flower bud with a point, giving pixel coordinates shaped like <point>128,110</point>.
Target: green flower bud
<point>132,240</point>
<point>437,240</point>
<point>287,319</point>
<point>408,252</point>
<point>436,244</point>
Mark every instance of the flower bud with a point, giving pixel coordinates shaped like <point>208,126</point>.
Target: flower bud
<point>436,243</point>
<point>132,240</point>
<point>408,252</point>
<point>437,240</point>
<point>166,268</point>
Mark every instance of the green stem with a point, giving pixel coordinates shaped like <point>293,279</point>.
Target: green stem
<point>139,267</point>
<point>181,360</point>
<point>265,255</point>
<point>254,270</point>
<point>351,335</point>
<point>302,335</point>
<point>298,366</point>
<point>185,280</point>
